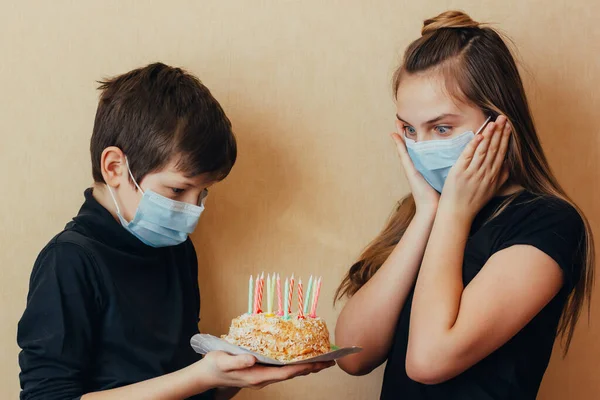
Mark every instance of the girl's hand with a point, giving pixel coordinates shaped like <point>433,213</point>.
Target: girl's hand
<point>426,197</point>
<point>225,370</point>
<point>479,172</point>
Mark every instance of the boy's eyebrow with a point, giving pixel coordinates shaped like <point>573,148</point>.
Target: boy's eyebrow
<point>431,121</point>
<point>192,181</point>
<point>181,180</point>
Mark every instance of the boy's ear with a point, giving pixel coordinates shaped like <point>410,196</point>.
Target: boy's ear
<point>113,167</point>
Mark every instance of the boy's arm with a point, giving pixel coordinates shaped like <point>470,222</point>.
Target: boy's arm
<point>177,385</point>
<point>56,331</point>
<point>217,369</point>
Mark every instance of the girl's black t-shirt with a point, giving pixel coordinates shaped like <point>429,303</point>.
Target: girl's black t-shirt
<point>105,310</point>
<point>515,370</point>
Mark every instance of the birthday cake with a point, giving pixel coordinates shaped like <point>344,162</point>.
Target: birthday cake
<point>282,336</point>
<point>285,340</point>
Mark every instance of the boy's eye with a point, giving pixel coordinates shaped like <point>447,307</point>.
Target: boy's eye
<point>177,190</point>
<point>443,130</point>
<point>409,130</point>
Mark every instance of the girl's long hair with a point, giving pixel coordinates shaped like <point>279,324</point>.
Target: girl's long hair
<point>478,68</point>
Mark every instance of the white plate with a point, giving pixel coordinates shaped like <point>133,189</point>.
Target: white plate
<point>204,343</point>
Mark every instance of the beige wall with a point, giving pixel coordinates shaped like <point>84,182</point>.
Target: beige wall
<point>306,84</point>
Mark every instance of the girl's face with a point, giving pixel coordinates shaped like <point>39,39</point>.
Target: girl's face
<point>426,111</point>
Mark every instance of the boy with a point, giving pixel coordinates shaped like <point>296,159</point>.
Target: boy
<point>113,299</point>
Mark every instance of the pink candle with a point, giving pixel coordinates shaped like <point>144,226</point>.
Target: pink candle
<point>313,311</point>
<point>289,301</point>
<point>300,300</point>
<point>255,308</point>
<point>260,292</point>
<point>279,304</point>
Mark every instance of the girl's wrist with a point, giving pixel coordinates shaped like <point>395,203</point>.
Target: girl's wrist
<point>425,214</point>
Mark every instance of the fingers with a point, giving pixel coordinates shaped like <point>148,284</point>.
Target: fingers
<point>325,365</point>
<point>261,375</point>
<point>400,146</point>
<point>502,149</point>
<point>316,367</point>
<point>494,146</point>
<point>399,128</point>
<point>466,157</point>
<point>482,148</point>
<point>228,363</point>
<point>291,371</point>
<point>407,163</point>
<point>399,142</point>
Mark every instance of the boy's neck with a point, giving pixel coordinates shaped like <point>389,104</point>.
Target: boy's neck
<point>100,193</point>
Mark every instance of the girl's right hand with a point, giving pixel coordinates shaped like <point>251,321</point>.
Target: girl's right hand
<point>224,370</point>
<point>426,197</point>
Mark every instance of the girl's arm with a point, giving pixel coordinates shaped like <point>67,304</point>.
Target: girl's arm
<point>369,318</point>
<point>453,327</point>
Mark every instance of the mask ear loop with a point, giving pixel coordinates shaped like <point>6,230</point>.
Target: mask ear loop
<point>133,179</point>
<point>114,199</point>
<point>483,126</point>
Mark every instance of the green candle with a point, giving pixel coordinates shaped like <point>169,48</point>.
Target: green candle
<point>308,289</point>
<point>286,314</point>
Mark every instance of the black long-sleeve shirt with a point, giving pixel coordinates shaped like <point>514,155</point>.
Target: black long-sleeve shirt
<point>105,310</point>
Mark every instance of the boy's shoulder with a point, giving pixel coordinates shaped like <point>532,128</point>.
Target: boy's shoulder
<point>72,236</point>
<point>69,249</point>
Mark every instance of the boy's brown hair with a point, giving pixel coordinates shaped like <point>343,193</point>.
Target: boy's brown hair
<point>157,113</point>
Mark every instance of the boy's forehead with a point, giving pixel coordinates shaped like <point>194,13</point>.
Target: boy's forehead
<point>172,171</point>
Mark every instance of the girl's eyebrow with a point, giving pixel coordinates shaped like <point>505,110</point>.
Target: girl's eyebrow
<point>431,121</point>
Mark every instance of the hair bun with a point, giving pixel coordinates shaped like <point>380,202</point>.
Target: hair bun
<point>449,19</point>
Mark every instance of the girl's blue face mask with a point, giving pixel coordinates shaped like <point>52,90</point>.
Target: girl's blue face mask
<point>160,221</point>
<point>434,158</point>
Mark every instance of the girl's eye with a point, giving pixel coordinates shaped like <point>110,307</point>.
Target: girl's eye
<point>442,130</point>
<point>409,130</point>
<point>177,190</point>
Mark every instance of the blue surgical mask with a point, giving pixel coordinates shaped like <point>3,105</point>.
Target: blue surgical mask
<point>160,221</point>
<point>434,158</point>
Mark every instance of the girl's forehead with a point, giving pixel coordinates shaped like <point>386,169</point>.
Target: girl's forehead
<point>423,97</point>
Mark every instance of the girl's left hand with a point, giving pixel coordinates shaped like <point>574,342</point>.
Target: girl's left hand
<point>479,172</point>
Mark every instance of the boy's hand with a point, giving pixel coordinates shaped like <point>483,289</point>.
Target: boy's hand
<point>225,370</point>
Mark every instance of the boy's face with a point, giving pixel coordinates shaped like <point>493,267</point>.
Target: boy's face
<point>168,182</point>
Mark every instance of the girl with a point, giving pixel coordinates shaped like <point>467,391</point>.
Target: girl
<point>487,259</point>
